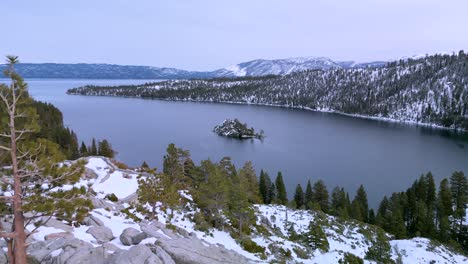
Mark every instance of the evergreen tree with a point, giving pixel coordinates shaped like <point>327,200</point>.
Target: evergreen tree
<point>371,217</point>
<point>356,210</point>
<point>83,150</point>
<point>315,238</point>
<point>212,196</point>
<point>248,177</point>
<point>173,163</point>
<point>264,186</point>
<point>444,210</point>
<point>299,196</point>
<point>239,205</point>
<point>144,165</point>
<point>105,149</point>
<point>321,195</point>
<point>36,174</point>
<point>459,189</point>
<point>93,148</point>
<point>361,198</point>
<point>282,196</point>
<point>380,251</point>
<point>308,196</point>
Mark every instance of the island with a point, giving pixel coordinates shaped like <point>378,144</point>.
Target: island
<point>235,129</point>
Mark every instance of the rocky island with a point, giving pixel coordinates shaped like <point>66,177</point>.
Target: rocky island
<point>235,129</point>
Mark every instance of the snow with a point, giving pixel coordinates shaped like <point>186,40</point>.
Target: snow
<point>117,184</point>
<point>43,231</point>
<point>420,250</point>
<point>342,236</point>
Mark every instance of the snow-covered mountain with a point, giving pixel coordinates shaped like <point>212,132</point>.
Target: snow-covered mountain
<point>111,71</point>
<point>286,66</point>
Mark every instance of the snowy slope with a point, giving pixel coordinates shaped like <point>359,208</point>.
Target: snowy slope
<point>287,66</point>
<point>343,236</point>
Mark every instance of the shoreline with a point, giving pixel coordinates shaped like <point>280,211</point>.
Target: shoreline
<point>329,111</point>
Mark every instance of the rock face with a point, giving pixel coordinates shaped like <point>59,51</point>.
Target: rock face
<point>189,249</point>
<point>102,234</point>
<point>235,129</point>
<point>131,236</point>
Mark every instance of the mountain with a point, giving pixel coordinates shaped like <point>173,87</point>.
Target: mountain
<point>430,90</point>
<point>287,66</point>
<point>102,71</point>
<point>111,71</point>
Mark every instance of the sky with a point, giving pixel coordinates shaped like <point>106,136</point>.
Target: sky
<point>212,34</point>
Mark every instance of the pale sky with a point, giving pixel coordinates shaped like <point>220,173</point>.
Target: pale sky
<point>211,34</point>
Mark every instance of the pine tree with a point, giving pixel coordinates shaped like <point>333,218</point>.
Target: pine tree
<point>265,187</point>
<point>309,196</point>
<point>144,165</point>
<point>299,196</point>
<point>356,211</point>
<point>315,238</point>
<point>36,178</point>
<point>380,251</point>
<point>83,150</point>
<point>361,198</point>
<point>93,151</point>
<point>444,210</point>
<point>249,178</point>
<point>105,149</point>
<point>173,163</point>
<point>459,189</point>
<point>321,195</point>
<point>212,196</point>
<point>239,205</point>
<point>281,189</point>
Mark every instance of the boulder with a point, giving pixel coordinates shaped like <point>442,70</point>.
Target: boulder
<point>57,235</point>
<point>52,222</point>
<point>131,236</point>
<point>91,220</point>
<point>135,255</point>
<point>89,256</point>
<point>102,234</point>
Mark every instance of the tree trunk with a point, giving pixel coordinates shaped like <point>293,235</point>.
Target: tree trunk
<point>11,257</point>
<point>19,246</point>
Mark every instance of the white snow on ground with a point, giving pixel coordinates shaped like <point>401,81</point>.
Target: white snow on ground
<point>117,184</point>
<point>421,250</point>
<point>342,236</point>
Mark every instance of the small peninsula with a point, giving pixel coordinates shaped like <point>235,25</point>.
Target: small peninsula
<point>235,129</point>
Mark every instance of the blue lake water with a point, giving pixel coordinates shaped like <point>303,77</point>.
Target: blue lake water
<point>341,150</point>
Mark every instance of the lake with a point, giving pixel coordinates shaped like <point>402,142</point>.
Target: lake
<point>341,150</point>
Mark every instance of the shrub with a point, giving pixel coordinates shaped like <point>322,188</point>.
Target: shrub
<point>350,258</point>
<point>301,253</point>
<point>111,197</point>
<point>252,247</point>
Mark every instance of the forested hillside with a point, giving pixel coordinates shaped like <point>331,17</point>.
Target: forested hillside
<point>432,90</point>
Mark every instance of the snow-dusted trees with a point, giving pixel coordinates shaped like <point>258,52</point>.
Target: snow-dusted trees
<point>432,90</point>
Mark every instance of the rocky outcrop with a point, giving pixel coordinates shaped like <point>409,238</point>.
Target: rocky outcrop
<point>189,249</point>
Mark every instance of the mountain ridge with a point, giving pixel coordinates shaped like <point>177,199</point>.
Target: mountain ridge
<point>258,67</point>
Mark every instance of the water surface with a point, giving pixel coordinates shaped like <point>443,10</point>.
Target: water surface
<point>341,150</point>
